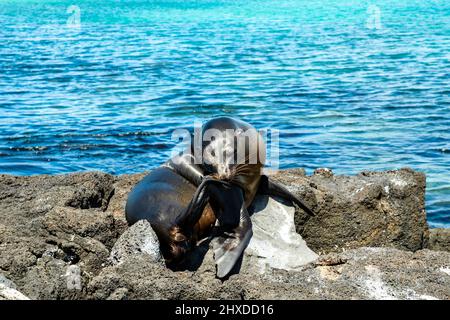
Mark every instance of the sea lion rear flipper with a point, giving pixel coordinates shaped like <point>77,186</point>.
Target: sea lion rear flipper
<point>230,245</point>
<point>272,188</point>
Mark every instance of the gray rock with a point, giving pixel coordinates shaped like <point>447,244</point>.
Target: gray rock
<point>363,273</point>
<point>139,238</point>
<point>275,244</point>
<point>119,294</point>
<point>8,290</point>
<point>52,278</point>
<point>56,234</point>
<point>370,209</point>
<point>6,282</point>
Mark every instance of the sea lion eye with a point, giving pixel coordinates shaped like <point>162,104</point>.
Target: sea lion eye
<point>209,169</point>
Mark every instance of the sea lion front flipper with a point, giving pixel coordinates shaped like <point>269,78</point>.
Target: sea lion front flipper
<point>229,246</point>
<point>189,217</point>
<point>272,188</point>
<point>185,166</point>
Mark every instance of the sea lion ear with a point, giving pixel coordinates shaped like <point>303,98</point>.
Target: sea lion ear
<point>271,188</point>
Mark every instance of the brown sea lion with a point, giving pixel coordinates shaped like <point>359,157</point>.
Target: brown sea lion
<point>185,198</point>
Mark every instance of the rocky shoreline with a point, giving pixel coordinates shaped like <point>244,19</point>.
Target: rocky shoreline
<point>65,237</point>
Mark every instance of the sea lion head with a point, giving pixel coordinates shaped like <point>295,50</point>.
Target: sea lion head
<point>233,151</point>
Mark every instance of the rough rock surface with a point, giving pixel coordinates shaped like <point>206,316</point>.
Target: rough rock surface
<point>370,209</point>
<point>439,239</point>
<point>57,235</point>
<point>140,237</point>
<point>363,273</point>
<point>8,290</point>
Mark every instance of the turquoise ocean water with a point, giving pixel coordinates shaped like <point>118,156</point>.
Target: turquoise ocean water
<point>350,85</point>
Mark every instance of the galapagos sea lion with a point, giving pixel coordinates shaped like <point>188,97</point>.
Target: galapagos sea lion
<point>185,198</point>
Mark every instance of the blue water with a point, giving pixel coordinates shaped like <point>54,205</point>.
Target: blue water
<point>349,87</point>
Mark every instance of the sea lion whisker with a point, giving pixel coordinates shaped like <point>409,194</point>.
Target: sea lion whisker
<point>240,168</point>
<point>242,160</point>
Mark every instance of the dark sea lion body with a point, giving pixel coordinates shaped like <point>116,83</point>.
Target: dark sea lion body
<point>161,197</point>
